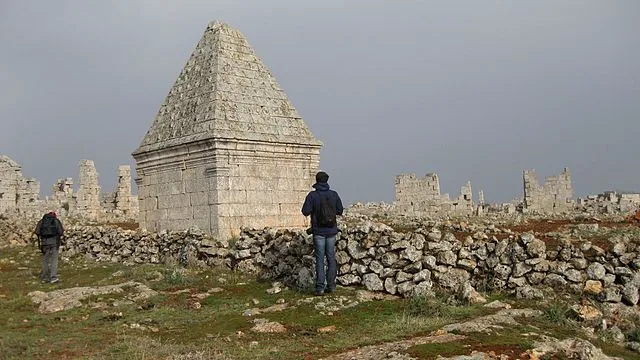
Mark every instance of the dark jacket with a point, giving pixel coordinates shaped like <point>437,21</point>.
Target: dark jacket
<point>312,204</point>
<point>50,240</point>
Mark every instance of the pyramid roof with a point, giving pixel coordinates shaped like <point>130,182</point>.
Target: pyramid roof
<point>225,92</point>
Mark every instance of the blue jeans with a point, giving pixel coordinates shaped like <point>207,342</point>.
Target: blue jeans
<point>325,246</point>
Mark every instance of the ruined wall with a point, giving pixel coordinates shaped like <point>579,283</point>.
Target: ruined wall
<point>62,198</point>
<point>415,194</point>
<point>422,195</point>
<point>464,203</point>
<point>610,202</point>
<point>19,195</point>
<point>555,196</point>
<point>16,191</point>
<point>88,197</point>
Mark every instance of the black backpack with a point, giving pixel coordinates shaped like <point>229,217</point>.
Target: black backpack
<point>326,216</point>
<point>48,227</point>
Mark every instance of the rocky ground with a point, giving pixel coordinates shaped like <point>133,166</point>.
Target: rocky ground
<point>196,303</point>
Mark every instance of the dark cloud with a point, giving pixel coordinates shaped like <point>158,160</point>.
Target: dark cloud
<point>470,90</point>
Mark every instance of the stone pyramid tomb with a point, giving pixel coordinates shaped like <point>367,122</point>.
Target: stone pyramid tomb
<point>227,148</point>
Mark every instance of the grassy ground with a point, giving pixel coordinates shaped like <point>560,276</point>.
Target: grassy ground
<point>176,325</point>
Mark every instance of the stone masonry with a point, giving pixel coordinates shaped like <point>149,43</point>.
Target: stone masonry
<point>418,194</point>
<point>422,196</point>
<point>610,202</point>
<point>88,198</point>
<point>227,148</point>
<point>555,196</point>
<point>16,191</point>
<point>20,195</point>
<point>123,191</point>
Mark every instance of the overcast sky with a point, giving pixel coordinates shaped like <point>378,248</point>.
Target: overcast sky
<point>471,90</point>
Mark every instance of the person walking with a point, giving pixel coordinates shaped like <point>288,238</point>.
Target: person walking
<point>323,205</point>
<point>49,231</point>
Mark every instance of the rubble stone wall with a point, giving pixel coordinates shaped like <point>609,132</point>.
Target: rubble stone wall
<point>555,196</point>
<point>376,257</point>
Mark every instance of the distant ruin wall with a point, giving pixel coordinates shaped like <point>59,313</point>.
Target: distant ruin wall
<point>610,202</point>
<point>20,195</point>
<point>422,196</point>
<point>16,191</point>
<point>555,196</point>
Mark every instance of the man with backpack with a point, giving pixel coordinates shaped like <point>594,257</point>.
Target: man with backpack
<point>49,231</point>
<point>323,205</point>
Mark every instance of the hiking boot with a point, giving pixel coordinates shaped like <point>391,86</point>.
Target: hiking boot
<point>330,290</point>
<point>54,280</point>
<point>319,293</point>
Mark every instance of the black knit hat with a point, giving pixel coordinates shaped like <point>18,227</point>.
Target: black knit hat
<point>322,177</point>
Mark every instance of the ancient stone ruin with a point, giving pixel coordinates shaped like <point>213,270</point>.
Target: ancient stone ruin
<point>20,195</point>
<point>16,191</point>
<point>610,202</point>
<point>555,196</point>
<point>121,202</point>
<point>88,199</point>
<point>422,195</point>
<point>227,148</point>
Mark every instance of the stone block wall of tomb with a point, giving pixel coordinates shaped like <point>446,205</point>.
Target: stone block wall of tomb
<point>262,185</point>
<point>555,196</point>
<point>221,188</point>
<point>173,191</point>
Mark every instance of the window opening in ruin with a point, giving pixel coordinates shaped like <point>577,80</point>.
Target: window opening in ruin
<point>1,195</point>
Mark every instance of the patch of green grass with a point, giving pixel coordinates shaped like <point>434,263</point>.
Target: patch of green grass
<point>557,312</point>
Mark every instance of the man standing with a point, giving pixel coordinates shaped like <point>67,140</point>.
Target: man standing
<point>323,205</point>
<point>49,231</point>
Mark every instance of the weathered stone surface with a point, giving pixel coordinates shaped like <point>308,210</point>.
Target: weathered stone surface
<point>528,292</point>
<point>596,271</point>
<point>372,282</point>
<point>555,196</point>
<point>210,154</point>
<point>65,299</point>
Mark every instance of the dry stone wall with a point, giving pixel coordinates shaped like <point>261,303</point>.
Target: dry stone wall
<point>412,263</point>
